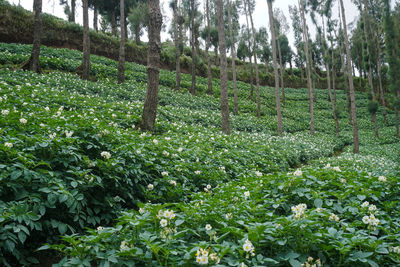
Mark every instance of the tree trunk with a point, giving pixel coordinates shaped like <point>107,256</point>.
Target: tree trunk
<point>282,70</point>
<point>277,96</point>
<point>255,60</point>
<point>95,16</point>
<point>308,69</point>
<point>73,8</point>
<point>216,55</point>
<point>193,86</point>
<point>33,62</point>
<point>233,57</point>
<point>224,70</point>
<point>121,65</point>
<point>137,35</point>
<point>250,57</point>
<point>86,42</point>
<point>352,96</point>
<point>371,84</point>
<point>113,23</point>
<point>153,66</point>
<point>177,47</point>
<point>397,121</point>
<point>334,89</point>
<point>208,42</point>
<point>379,63</point>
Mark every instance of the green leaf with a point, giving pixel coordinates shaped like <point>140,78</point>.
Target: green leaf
<point>62,228</point>
<point>21,236</point>
<point>332,231</point>
<point>179,222</point>
<point>294,263</point>
<point>74,184</point>
<point>318,203</point>
<point>44,247</point>
<point>361,197</point>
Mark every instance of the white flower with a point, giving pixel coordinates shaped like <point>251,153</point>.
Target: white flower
<point>259,174</point>
<point>172,182</point>
<point>298,172</point>
<point>155,141</point>
<point>68,133</point>
<point>247,194</point>
<point>166,153</point>
<point>52,136</point>
<point>382,179</point>
<point>141,211</point>
<point>208,187</point>
<point>123,246</point>
<point>365,204</point>
<point>180,149</point>
<point>334,217</point>
<point>23,121</point>
<point>164,173</point>
<point>327,166</point>
<point>342,180</point>
<point>336,168</point>
<point>105,154</point>
<point>228,216</point>
<point>47,109</point>
<point>299,210</point>
<point>248,246</point>
<point>197,172</point>
<point>365,219</point>
<point>9,145</point>
<point>163,222</point>
<point>100,228</point>
<point>150,187</point>
<point>208,227</point>
<point>372,208</point>
<point>5,112</point>
<point>202,260</point>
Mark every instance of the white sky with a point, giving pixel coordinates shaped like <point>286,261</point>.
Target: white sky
<point>260,15</point>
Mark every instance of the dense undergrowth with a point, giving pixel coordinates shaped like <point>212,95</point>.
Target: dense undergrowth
<point>71,158</point>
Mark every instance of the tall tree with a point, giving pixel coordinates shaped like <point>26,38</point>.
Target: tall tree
<point>249,42</point>
<point>95,15</point>
<point>224,69</point>
<point>121,64</point>
<point>277,95</point>
<point>33,62</point>
<point>250,10</point>
<point>351,84</point>
<point>153,66</point>
<point>393,58</point>
<point>86,41</point>
<point>366,54</point>
<point>298,40</point>
<point>308,67</point>
<point>208,43</point>
<point>178,45</point>
<point>233,57</point>
<point>69,10</point>
<point>192,44</point>
<point>138,18</point>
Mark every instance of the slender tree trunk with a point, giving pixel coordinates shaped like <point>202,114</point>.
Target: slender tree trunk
<point>366,27</point>
<point>33,62</point>
<point>250,56</point>
<point>126,28</point>
<point>73,8</point>
<point>233,57</point>
<point>86,42</point>
<point>277,96</point>
<point>328,75</point>
<point>137,35</point>
<point>397,121</point>
<point>334,89</point>
<point>153,66</point>
<point>193,86</point>
<point>255,60</point>
<point>208,43</point>
<point>113,23</point>
<point>177,47</point>
<point>95,16</point>
<point>379,63</point>
<point>224,70</point>
<point>352,96</point>
<point>282,70</point>
<point>308,69</point>
<point>121,65</point>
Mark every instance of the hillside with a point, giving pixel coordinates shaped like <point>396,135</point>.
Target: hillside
<point>71,158</point>
<point>16,26</point>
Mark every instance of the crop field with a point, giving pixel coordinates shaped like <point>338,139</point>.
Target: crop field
<point>81,185</point>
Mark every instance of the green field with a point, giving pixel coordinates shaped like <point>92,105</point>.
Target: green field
<point>82,184</point>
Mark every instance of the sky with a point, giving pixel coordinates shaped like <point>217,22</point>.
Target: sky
<point>260,15</point>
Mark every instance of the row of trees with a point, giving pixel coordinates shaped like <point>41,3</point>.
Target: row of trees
<point>332,50</point>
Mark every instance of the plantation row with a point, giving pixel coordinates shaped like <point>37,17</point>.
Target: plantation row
<point>72,158</point>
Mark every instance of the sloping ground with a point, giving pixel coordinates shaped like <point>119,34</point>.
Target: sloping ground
<point>71,158</point>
